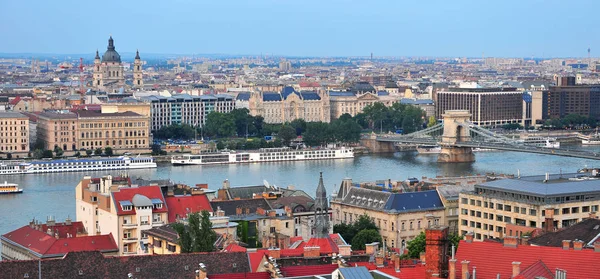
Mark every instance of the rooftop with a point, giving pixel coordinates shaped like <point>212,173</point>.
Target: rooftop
<point>587,231</point>
<point>10,114</point>
<point>557,184</point>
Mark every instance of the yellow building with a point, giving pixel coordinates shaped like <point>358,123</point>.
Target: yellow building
<point>82,130</point>
<point>139,108</point>
<point>362,94</point>
<point>507,207</point>
<point>106,205</point>
<point>14,134</point>
<point>400,217</point>
<point>288,105</point>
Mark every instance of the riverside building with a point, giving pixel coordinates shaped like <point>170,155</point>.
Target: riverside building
<point>14,134</point>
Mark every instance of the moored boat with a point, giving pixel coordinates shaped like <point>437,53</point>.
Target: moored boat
<point>10,188</point>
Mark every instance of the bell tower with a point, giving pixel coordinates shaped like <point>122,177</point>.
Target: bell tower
<point>97,71</point>
<point>321,224</point>
<point>138,81</point>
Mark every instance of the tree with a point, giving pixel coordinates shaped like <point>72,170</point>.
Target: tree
<point>220,124</point>
<point>416,246</point>
<point>453,239</point>
<point>207,237</point>
<point>98,151</point>
<point>365,237</point>
<point>364,222</point>
<point>47,154</point>
<point>220,145</point>
<point>185,242</point>
<point>8,156</point>
<point>108,151</point>
<point>88,152</point>
<point>198,235</point>
<point>77,154</point>
<point>286,134</point>
<point>58,151</point>
<point>431,122</point>
<point>156,149</point>
<point>347,231</point>
<point>38,154</point>
<point>350,231</point>
<point>299,125</point>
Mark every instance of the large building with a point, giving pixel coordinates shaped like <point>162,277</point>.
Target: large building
<point>287,105</point>
<point>113,206</point>
<point>354,100</point>
<point>507,207</point>
<point>84,129</point>
<point>14,134</point>
<point>109,73</point>
<point>560,101</point>
<point>488,106</point>
<point>400,217</point>
<point>185,109</point>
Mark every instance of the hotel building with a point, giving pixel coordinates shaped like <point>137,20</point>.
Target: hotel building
<point>14,134</point>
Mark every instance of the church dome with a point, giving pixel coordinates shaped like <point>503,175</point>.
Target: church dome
<point>111,55</point>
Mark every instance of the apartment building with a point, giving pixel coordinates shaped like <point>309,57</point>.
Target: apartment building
<point>287,105</point>
<point>560,101</point>
<point>110,205</point>
<point>84,129</point>
<point>488,106</point>
<point>400,217</point>
<point>507,207</point>
<point>14,134</point>
<point>185,109</point>
<point>360,95</point>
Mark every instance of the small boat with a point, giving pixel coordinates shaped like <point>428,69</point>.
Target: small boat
<point>10,188</point>
<point>593,139</point>
<point>546,142</point>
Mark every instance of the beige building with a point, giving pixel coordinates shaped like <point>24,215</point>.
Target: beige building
<point>507,207</point>
<point>287,105</point>
<point>139,108</point>
<point>400,217</point>
<point>108,71</point>
<point>82,130</point>
<point>14,134</point>
<point>106,205</point>
<point>362,94</point>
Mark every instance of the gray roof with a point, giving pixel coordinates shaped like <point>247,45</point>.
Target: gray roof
<point>244,96</point>
<point>556,185</point>
<point>366,198</point>
<point>11,114</point>
<point>451,192</point>
<point>141,200</point>
<point>359,272</point>
<point>414,201</point>
<point>310,96</point>
<point>416,101</point>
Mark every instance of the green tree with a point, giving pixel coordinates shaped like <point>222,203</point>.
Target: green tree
<point>316,134</point>
<point>376,113</point>
<point>89,152</point>
<point>350,231</point>
<point>58,151</point>
<point>206,237</point>
<point>365,237</point>
<point>198,235</point>
<point>416,246</point>
<point>8,156</point>
<point>38,154</point>
<point>454,239</point>
<point>47,154</point>
<point>220,145</point>
<point>347,231</point>
<point>365,222</point>
<point>156,150</point>
<point>243,122</point>
<point>77,154</point>
<point>98,151</point>
<point>185,242</point>
<point>431,122</point>
<point>258,122</point>
<point>299,125</point>
<point>220,124</point>
<point>108,151</point>
<point>286,134</point>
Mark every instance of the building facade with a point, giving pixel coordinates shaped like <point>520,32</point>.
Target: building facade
<point>488,106</point>
<point>399,217</point>
<point>506,207</point>
<point>560,101</point>
<point>288,105</point>
<point>14,134</point>
<point>82,130</point>
<point>353,101</point>
<point>108,73</point>
<point>124,211</point>
<point>186,109</point>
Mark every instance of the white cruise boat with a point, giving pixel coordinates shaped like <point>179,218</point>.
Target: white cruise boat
<point>262,155</point>
<point>593,139</point>
<point>10,188</point>
<point>546,142</point>
<point>70,165</point>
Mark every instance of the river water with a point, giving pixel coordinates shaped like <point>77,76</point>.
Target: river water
<point>54,194</point>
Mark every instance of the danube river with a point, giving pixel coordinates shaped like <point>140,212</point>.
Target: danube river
<point>54,194</point>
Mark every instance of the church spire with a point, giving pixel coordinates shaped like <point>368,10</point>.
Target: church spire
<point>111,43</point>
<point>137,54</point>
<point>97,55</point>
<point>321,227</point>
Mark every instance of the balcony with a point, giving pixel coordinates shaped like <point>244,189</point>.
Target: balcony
<point>129,225</point>
<point>130,239</point>
<point>157,223</point>
<point>129,253</point>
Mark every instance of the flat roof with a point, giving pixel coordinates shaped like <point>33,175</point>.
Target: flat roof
<point>12,114</point>
<point>558,184</point>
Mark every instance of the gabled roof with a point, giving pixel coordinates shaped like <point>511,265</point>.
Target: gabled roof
<point>493,258</point>
<point>165,232</point>
<point>180,206</point>
<point>288,90</point>
<point>536,270</point>
<point>234,248</point>
<point>256,259</point>
<point>127,195</point>
<point>414,201</point>
<point>251,204</point>
<point>587,231</point>
<point>310,96</point>
<point>327,245</point>
<point>367,198</point>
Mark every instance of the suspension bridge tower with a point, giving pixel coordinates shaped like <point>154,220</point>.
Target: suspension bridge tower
<point>456,130</point>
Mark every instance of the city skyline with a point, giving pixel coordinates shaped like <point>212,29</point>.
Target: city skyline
<point>303,29</point>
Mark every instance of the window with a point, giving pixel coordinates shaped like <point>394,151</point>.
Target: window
<point>585,209</point>
<point>478,203</point>
<point>499,218</point>
<point>594,208</point>
<point>144,220</point>
<point>485,204</point>
<point>472,213</point>
<point>127,234</point>
<point>464,200</point>
<point>411,226</point>
<point>516,208</point>
<point>485,215</point>
<point>472,202</point>
<point>419,225</point>
<point>272,229</point>
<point>499,206</point>
<point>507,219</point>
<point>157,243</point>
<point>463,222</point>
<point>532,212</point>
<point>523,210</point>
<point>171,248</point>
<point>565,210</point>
<point>575,210</point>
<point>507,208</point>
<point>464,211</point>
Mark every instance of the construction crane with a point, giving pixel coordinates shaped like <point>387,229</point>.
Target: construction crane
<point>81,89</point>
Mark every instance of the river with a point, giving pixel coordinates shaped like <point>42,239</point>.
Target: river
<point>54,194</point>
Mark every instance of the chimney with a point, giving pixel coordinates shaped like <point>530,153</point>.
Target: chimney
<point>68,221</point>
<point>56,235</point>
<point>247,211</point>
<point>436,247</point>
<point>202,186</point>
<point>371,248</point>
<point>220,212</point>
<point>238,211</point>
<point>312,251</point>
<point>525,240</point>
<point>469,237</point>
<point>510,241</point>
<point>549,221</point>
<point>201,272</point>
<point>49,232</point>
<point>452,269</point>
<point>516,269</point>
<point>345,250</point>
<point>288,211</point>
<point>578,245</point>
<point>226,184</point>
<point>597,246</point>
<point>170,191</point>
<point>379,259</point>
<point>396,260</point>
<point>275,253</point>
<point>465,269</point>
<point>566,244</point>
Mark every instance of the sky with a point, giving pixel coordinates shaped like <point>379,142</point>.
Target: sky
<point>399,28</point>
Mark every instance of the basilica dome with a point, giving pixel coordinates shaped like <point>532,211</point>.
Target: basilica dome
<point>111,55</point>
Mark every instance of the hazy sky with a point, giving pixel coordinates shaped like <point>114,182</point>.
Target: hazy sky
<point>506,28</point>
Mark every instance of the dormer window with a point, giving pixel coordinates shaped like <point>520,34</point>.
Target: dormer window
<point>157,203</point>
<point>126,205</point>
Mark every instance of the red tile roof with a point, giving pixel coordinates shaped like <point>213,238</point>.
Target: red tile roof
<point>44,245</point>
<point>15,100</point>
<point>127,194</point>
<point>256,259</point>
<point>417,272</point>
<point>327,245</point>
<point>248,275</point>
<point>180,206</point>
<point>492,258</point>
<point>63,229</point>
<point>234,248</point>
<point>294,271</point>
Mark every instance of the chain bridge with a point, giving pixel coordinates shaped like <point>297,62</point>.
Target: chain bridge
<point>457,137</point>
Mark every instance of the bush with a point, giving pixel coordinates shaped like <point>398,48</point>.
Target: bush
<point>88,152</point>
<point>108,151</point>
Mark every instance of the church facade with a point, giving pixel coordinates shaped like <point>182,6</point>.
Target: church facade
<point>109,73</point>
